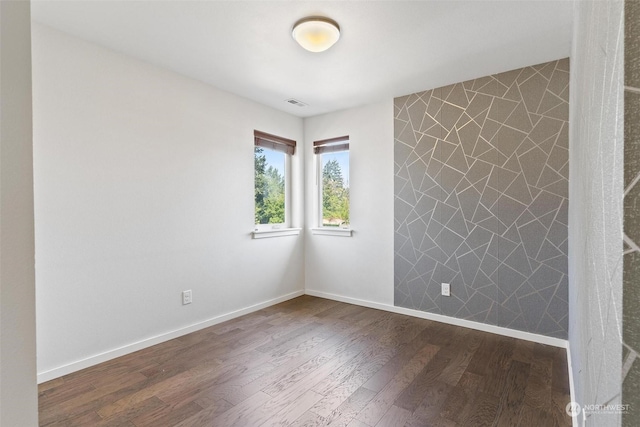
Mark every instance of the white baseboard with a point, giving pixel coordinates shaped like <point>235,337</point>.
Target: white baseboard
<point>148,342</point>
<point>542,339</point>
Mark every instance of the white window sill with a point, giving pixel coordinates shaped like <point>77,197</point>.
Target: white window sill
<point>326,231</point>
<point>276,232</point>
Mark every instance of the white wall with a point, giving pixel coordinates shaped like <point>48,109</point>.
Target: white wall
<point>144,188</point>
<point>18,391</point>
<point>595,211</point>
<point>359,267</point>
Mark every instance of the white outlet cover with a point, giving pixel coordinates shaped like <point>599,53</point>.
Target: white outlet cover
<point>187,297</point>
<point>446,289</point>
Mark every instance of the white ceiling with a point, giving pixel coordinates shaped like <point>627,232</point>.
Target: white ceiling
<point>387,48</point>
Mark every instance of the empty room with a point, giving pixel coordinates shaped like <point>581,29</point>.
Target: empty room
<point>324,213</point>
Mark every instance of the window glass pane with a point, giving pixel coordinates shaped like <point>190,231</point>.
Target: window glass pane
<point>335,189</point>
<point>269,186</point>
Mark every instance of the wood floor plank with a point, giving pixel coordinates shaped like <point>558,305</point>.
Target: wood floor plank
<point>295,409</point>
<point>213,389</point>
<point>50,407</point>
<point>239,395</point>
<point>286,376</point>
<point>560,377</point>
<point>478,363</point>
<point>337,376</point>
<point>483,411</point>
<point>240,413</point>
<point>357,423</point>
<point>283,356</point>
<point>461,356</point>
<point>523,351</point>
<point>244,322</point>
<point>538,390</point>
<point>381,403</point>
<point>260,414</point>
<point>309,419</point>
<point>102,389</point>
<point>134,411</point>
<point>413,393</point>
<point>78,420</point>
<point>455,403</point>
<point>76,406</point>
<point>429,408</point>
<point>294,371</point>
<point>175,382</point>
<point>209,413</point>
<point>289,337</point>
<point>404,354</point>
<point>315,362</point>
<point>545,351</point>
<point>535,416</point>
<point>347,411</point>
<point>50,384</point>
<point>395,417</point>
<point>402,332</point>
<point>497,367</point>
<point>513,395</point>
<point>363,371</point>
<point>56,395</point>
<point>461,398</point>
<point>557,411</point>
<point>338,311</point>
<point>170,414</point>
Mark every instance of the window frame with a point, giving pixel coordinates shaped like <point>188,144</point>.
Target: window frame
<point>328,146</point>
<point>287,148</point>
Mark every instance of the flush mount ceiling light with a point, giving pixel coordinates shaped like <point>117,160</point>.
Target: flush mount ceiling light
<point>316,33</point>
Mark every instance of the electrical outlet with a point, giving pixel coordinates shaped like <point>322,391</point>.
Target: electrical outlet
<point>187,297</point>
<point>446,289</point>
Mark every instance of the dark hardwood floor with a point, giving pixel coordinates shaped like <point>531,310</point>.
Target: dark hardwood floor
<point>316,362</point>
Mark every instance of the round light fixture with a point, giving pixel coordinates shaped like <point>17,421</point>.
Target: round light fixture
<point>316,33</point>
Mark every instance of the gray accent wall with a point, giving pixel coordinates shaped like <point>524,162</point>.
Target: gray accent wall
<point>631,272</point>
<point>481,199</point>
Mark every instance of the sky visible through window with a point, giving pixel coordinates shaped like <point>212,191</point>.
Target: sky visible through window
<point>275,159</point>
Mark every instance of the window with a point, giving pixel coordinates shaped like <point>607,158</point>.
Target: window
<point>272,157</point>
<point>333,179</point>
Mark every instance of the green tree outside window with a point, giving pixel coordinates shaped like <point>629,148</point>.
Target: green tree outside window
<point>269,191</point>
<point>335,196</point>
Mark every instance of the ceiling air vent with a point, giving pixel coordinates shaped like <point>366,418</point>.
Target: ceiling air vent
<point>296,102</point>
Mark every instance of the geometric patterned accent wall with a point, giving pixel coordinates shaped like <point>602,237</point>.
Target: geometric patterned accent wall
<point>631,271</point>
<point>481,199</point>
